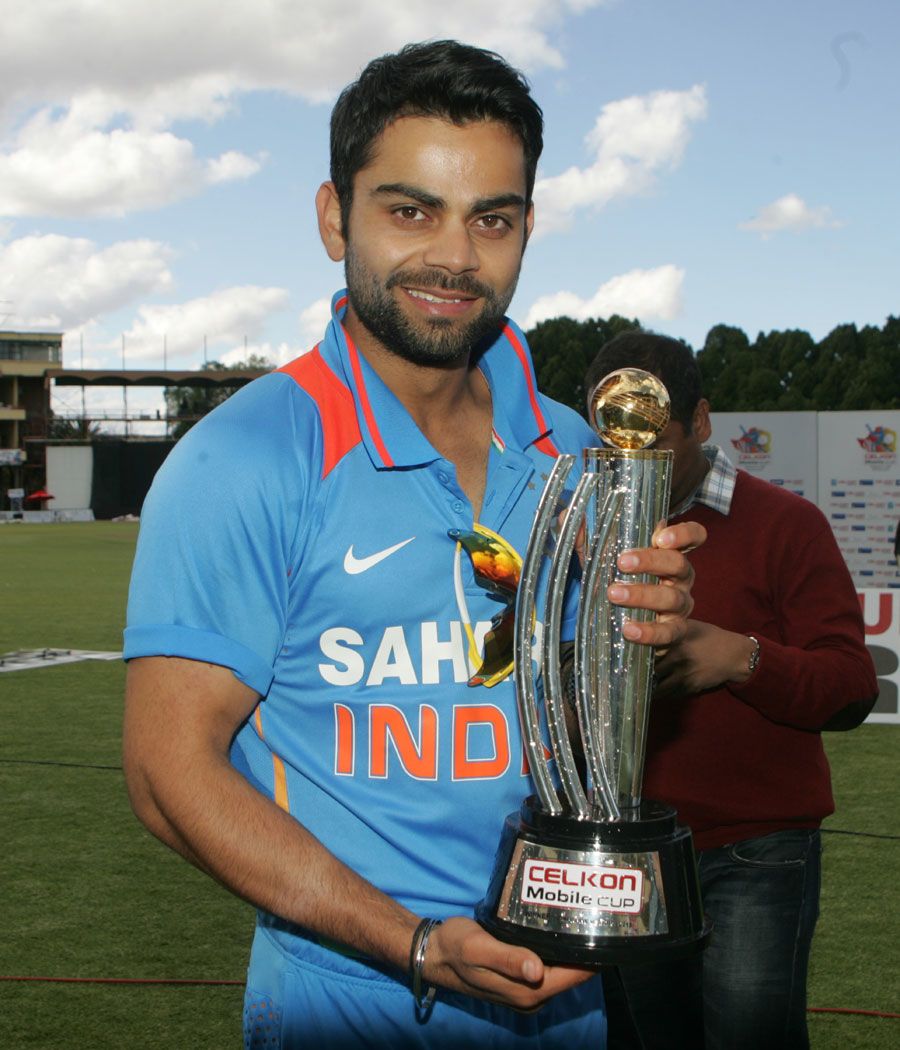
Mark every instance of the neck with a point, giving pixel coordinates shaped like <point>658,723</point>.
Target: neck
<point>699,468</point>
<point>451,404</point>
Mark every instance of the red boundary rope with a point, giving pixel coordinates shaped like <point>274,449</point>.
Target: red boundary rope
<point>122,980</point>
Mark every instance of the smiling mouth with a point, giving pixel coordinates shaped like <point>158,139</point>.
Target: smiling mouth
<point>429,297</point>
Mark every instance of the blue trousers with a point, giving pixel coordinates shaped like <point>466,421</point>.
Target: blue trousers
<point>302,995</point>
<point>748,988</point>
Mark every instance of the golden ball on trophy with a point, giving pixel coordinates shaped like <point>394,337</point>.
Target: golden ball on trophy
<point>629,408</point>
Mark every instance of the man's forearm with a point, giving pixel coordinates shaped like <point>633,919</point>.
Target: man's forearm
<point>225,827</point>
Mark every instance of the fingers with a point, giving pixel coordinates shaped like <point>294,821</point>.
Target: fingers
<point>668,564</point>
<point>662,597</point>
<point>670,598</point>
<point>671,601</point>
<point>685,536</point>
<point>660,633</point>
<point>506,960</point>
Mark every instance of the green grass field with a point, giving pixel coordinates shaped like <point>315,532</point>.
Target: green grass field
<point>87,893</point>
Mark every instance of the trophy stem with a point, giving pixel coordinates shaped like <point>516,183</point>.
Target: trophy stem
<point>622,671</point>
<point>525,618</point>
<point>553,698</point>
<point>594,605</point>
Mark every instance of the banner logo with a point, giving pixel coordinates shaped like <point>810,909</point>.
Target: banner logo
<point>754,448</point>
<point>879,447</point>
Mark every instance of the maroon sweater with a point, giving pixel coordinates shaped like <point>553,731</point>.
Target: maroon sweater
<point>746,760</point>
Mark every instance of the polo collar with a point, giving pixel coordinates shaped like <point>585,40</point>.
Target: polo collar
<point>389,433</point>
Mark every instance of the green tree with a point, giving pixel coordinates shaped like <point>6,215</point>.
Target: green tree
<point>60,428</point>
<point>562,350</point>
<point>781,371</point>
<point>875,381</point>
<point>839,361</point>
<point>185,405</point>
<point>725,364</point>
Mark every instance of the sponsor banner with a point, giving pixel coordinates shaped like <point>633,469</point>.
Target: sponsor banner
<point>859,492</point>
<point>881,613</point>
<point>777,446</point>
<point>558,884</point>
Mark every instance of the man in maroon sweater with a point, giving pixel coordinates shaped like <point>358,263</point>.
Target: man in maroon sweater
<point>775,653</point>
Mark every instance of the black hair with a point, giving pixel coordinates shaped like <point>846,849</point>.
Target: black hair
<point>668,359</point>
<point>441,78</point>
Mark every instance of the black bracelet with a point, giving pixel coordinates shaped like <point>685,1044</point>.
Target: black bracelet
<point>416,963</point>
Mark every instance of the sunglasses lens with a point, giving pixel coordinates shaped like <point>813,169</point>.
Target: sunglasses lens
<point>497,661</point>
<point>497,566</point>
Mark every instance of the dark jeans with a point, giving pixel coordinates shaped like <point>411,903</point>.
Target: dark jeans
<point>748,988</point>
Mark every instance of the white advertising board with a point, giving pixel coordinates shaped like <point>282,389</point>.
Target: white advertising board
<point>777,446</point>
<point>859,491</point>
<point>70,470</point>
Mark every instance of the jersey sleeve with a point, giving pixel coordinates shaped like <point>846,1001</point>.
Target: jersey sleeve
<point>220,533</point>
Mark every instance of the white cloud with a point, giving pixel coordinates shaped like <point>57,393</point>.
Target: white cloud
<point>54,282</point>
<point>175,59</point>
<point>223,321</point>
<point>632,141</point>
<point>76,165</point>
<point>313,322</point>
<point>644,294</point>
<point>789,212</point>
<point>89,89</point>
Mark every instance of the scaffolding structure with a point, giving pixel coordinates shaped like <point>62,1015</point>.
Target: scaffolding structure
<point>31,369</point>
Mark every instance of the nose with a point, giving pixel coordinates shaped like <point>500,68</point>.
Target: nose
<point>452,249</point>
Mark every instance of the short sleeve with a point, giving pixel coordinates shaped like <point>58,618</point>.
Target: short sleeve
<point>220,533</point>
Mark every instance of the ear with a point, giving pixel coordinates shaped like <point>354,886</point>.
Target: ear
<point>328,210</point>
<point>701,426</point>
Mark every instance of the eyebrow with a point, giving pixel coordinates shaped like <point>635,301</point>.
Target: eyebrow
<point>403,189</point>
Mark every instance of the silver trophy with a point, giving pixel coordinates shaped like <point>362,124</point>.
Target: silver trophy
<point>588,871</point>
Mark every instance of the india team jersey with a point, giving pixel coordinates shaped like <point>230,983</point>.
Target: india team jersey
<point>299,536</point>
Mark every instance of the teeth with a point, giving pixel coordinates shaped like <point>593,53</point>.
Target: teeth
<point>431,298</point>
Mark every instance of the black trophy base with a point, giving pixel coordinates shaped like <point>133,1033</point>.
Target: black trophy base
<point>596,892</point>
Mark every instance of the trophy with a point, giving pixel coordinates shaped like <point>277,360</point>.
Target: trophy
<point>587,871</point>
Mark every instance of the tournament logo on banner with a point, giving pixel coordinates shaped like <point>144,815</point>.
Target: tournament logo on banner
<point>879,447</point>
<point>754,448</point>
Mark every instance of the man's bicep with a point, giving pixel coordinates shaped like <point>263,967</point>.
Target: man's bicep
<point>176,710</point>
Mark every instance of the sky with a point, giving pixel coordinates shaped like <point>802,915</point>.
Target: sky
<point>705,162</point>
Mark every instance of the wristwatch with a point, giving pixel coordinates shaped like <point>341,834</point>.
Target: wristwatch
<point>754,656</point>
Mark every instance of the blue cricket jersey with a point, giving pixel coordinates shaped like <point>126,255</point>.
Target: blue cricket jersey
<point>299,536</point>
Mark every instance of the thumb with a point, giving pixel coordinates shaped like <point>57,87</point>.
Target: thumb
<point>518,964</point>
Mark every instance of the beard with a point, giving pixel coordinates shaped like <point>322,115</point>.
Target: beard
<point>433,341</point>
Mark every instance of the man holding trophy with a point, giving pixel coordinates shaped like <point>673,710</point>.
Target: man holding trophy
<point>329,598</point>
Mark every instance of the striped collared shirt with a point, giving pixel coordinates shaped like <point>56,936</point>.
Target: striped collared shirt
<point>717,487</point>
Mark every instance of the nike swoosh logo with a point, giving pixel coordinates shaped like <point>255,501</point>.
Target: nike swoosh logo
<point>354,565</point>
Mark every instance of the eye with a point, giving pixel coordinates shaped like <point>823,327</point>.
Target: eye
<point>410,213</point>
<point>494,224</point>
